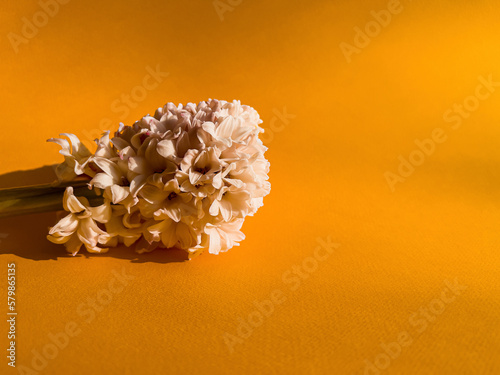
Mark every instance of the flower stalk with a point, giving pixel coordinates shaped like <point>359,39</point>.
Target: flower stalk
<point>42,198</point>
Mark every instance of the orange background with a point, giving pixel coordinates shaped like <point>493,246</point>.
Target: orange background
<point>352,122</point>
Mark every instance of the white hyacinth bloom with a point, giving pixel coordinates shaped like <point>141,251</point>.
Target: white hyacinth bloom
<point>186,177</point>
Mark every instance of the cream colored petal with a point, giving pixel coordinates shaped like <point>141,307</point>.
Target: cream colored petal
<point>81,166</point>
<point>238,202</point>
<point>57,239</point>
<point>225,128</point>
<point>166,230</point>
<point>225,209</point>
<point>139,165</point>
<point>137,184</point>
<point>182,145</point>
<point>159,227</point>
<point>236,183</point>
<point>170,167</point>
<point>102,181</point>
<point>132,220</point>
<point>130,240</point>
<point>96,249</point>
<point>217,181</point>
<point>214,246</point>
<point>172,186</point>
<point>188,160</point>
<point>89,232</point>
<point>101,213</point>
<point>78,149</point>
<point>166,148</point>
<point>70,202</point>
<point>173,213</point>
<point>209,127</point>
<point>214,208</point>
<point>115,228</point>
<point>155,161</point>
<point>241,131</point>
<point>66,226</point>
<point>126,153</point>
<point>65,147</point>
<point>153,194</point>
<point>108,167</point>
<point>119,193</point>
<point>185,235</point>
<point>119,143</point>
<point>194,177</point>
<point>73,245</point>
<point>104,148</point>
<point>152,237</point>
<point>137,140</point>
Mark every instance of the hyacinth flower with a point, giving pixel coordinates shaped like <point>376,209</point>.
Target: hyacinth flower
<point>186,178</point>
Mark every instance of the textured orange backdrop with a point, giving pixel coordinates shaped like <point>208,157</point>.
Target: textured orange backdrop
<point>345,115</point>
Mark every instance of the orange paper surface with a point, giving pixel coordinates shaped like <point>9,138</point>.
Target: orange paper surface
<point>382,122</point>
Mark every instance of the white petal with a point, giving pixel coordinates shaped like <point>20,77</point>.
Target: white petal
<point>66,226</point>
<point>139,165</point>
<point>78,149</point>
<point>214,243</point>
<point>226,127</point>
<point>108,167</point>
<point>102,181</point>
<point>214,208</point>
<point>137,184</point>
<point>101,213</point>
<point>66,149</point>
<point>119,143</point>
<point>166,148</point>
<point>119,193</point>
<point>70,202</point>
<point>73,245</point>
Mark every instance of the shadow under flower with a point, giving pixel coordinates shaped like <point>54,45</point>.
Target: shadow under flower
<point>25,236</point>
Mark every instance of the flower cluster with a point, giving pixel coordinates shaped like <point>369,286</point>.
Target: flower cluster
<point>186,177</point>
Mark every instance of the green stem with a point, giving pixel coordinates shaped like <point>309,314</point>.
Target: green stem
<point>42,198</point>
<point>35,190</point>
